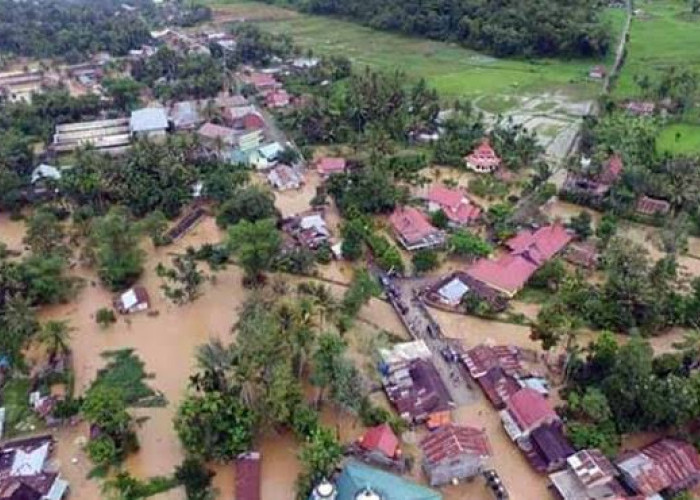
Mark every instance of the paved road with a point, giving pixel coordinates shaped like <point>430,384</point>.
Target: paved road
<point>421,325</point>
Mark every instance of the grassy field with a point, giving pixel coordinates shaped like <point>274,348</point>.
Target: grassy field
<point>663,34</point>
<point>452,70</point>
<point>683,138</point>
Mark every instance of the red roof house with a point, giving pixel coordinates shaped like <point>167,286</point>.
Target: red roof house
<point>213,132</point>
<point>527,410</point>
<point>483,159</point>
<point>651,206</point>
<point>542,244</point>
<point>668,466</point>
<point>381,439</point>
<point>253,121</point>
<point>454,452</point>
<point>612,170</point>
<point>248,476</point>
<point>507,274</point>
<point>261,81</point>
<point>277,99</point>
<point>328,166</point>
<point>459,210</point>
<point>413,230</point>
<point>480,359</point>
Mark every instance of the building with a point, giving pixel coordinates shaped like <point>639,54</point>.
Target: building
<point>248,476</point>
<point>666,467</point>
<point>25,473</point>
<point>283,178</point>
<point>379,445</point>
<point>415,389</point>
<point>483,159</point>
<point>327,166</point>
<point>308,230</point>
<point>454,453</point>
<point>597,72</point>
<point>413,230</point>
<point>595,184</point>
<point>249,139</point>
<point>646,205</point>
<point>277,99</point>
<point>548,447</point>
<point>151,123</point>
<point>46,172</point>
<point>358,481</point>
<point>133,300</point>
<point>266,156</point>
<point>19,86</point>
<point>262,82</point>
<point>109,136</point>
<point>589,475</point>
<point>583,254</point>
<point>640,108</point>
<point>405,351</point>
<point>185,115</point>
<point>217,135</point>
<point>528,251</point>
<point>452,290</point>
<point>525,411</point>
<point>460,211</point>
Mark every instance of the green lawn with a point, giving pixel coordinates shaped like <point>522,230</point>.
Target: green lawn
<point>663,34</point>
<point>454,71</point>
<point>680,138</point>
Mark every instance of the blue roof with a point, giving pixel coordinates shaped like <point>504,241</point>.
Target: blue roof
<point>148,119</point>
<point>357,476</point>
<point>270,151</point>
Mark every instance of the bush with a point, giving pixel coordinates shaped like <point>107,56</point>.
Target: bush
<point>425,260</point>
<point>105,317</point>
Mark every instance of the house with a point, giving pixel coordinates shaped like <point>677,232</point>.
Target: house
<point>640,108</point>
<point>262,82</point>
<point>109,136</point>
<point>308,230</point>
<point>548,447</point>
<point>19,86</point>
<point>379,445</point>
<point>596,184</point>
<point>667,467</point>
<point>415,389</point>
<point>451,291</point>
<point>358,481</point>
<point>248,476</point>
<point>46,172</point>
<point>253,121</point>
<point>583,254</point>
<point>327,166</point>
<point>305,62</point>
<point>25,473</point>
<point>528,251</point>
<point>405,351</point>
<point>277,99</point>
<point>452,453</point>
<point>647,205</point>
<point>266,156</point>
<point>151,123</point>
<point>597,72</point>
<point>249,139</point>
<point>133,300</point>
<point>216,135</point>
<point>413,230</point>
<point>459,210</point>
<point>234,115</point>
<point>283,178</point>
<point>589,475</point>
<point>185,115</point>
<point>525,411</point>
<point>483,159</point>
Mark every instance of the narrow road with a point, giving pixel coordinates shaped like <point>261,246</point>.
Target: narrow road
<point>421,326</point>
<point>619,54</point>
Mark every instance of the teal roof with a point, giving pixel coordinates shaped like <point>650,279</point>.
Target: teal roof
<point>356,476</point>
<point>271,151</point>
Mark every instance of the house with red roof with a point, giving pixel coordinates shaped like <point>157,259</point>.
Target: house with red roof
<point>454,453</point>
<point>640,108</point>
<point>214,133</point>
<point>413,230</point>
<point>646,205</point>
<point>528,251</point>
<point>262,82</point>
<point>380,443</point>
<point>277,99</point>
<point>327,166</point>
<point>525,411</point>
<point>248,473</point>
<point>597,184</point>
<point>667,467</point>
<point>483,159</point>
<point>460,211</point>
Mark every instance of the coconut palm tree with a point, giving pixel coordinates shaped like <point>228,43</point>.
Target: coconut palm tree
<point>55,335</point>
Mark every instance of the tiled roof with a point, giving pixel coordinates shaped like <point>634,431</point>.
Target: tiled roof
<point>650,206</point>
<point>508,274</point>
<point>380,438</point>
<point>452,441</point>
<point>213,131</point>
<point>455,205</point>
<point>529,409</point>
<point>248,476</point>
<point>482,358</point>
<point>484,156</point>
<point>612,169</point>
<point>542,243</point>
<point>411,224</point>
<point>328,165</point>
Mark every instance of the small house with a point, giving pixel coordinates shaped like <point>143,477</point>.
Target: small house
<point>413,230</point>
<point>548,447</point>
<point>216,135</point>
<point>588,475</point>
<point>328,166</point>
<point>308,230</point>
<point>454,453</point>
<point>460,211</point>
<point>379,445</point>
<point>640,108</point>
<point>133,300</point>
<point>248,474</point>
<point>358,481</point>
<point>249,140</point>
<point>525,411</point>
<point>646,205</point>
<point>26,472</point>
<point>451,291</point>
<point>284,178</point>
<point>266,156</point>
<point>277,99</point>
<point>583,254</point>
<point>151,123</point>
<point>597,72</point>
<point>483,159</point>
<point>185,115</point>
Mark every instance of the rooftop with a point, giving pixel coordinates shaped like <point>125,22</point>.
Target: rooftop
<point>650,206</point>
<point>328,165</point>
<point>148,120</point>
<point>381,438</point>
<point>529,409</point>
<point>452,441</point>
<point>248,476</point>
<point>356,477</point>
<point>411,225</point>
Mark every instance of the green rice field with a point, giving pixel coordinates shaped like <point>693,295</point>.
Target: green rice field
<point>681,138</point>
<point>453,70</point>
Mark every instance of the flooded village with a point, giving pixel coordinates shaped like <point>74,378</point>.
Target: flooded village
<point>232,269</point>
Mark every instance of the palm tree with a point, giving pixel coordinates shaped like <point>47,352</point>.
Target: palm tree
<point>214,356</point>
<point>55,335</point>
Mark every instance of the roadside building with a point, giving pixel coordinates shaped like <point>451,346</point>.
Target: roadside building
<point>483,159</point>
<point>151,123</point>
<point>283,178</point>
<point>454,453</point>
<point>525,411</point>
<point>646,205</point>
<point>460,211</point>
<point>26,473</point>
<point>413,230</point>
<point>109,136</point>
<point>453,289</point>
<point>589,475</point>
<point>133,300</point>
<point>358,481</point>
<point>248,473</point>
<point>327,166</point>
<point>665,467</point>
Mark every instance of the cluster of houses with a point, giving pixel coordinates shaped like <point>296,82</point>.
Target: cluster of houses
<point>26,472</point>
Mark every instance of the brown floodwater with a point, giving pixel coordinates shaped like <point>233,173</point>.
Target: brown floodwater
<point>12,232</point>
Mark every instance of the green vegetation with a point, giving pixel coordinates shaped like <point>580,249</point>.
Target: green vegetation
<point>679,138</point>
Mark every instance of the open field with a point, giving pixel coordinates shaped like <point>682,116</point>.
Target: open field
<point>682,138</point>
<point>663,34</point>
<point>454,71</point>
